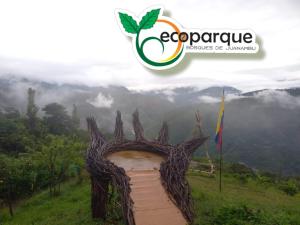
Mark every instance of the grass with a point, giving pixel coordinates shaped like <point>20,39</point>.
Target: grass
<point>273,206</point>
<point>239,204</point>
<point>72,206</point>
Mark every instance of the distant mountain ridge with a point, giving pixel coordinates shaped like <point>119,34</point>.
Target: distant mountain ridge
<point>260,128</point>
<point>294,91</point>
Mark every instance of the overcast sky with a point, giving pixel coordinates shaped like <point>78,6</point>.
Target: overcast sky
<point>80,42</point>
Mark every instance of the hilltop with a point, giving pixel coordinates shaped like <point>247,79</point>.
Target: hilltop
<point>244,201</point>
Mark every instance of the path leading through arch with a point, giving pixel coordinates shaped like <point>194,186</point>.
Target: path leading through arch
<point>152,205</point>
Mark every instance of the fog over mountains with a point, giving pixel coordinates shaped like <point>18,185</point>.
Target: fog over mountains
<point>261,128</point>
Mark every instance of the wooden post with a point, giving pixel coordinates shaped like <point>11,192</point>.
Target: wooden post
<point>10,201</point>
<point>99,198</point>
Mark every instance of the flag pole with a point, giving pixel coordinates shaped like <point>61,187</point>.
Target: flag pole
<point>221,164</point>
<point>221,154</point>
<point>218,138</point>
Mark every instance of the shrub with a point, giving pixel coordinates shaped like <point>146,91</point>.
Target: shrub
<point>290,187</point>
<point>243,215</point>
<point>241,170</point>
<point>238,215</point>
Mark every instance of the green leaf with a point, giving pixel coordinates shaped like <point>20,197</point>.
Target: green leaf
<point>149,19</point>
<point>129,24</point>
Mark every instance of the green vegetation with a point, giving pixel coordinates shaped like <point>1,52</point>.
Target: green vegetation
<point>249,203</point>
<point>42,178</point>
<point>248,197</point>
<point>38,153</point>
<point>71,206</point>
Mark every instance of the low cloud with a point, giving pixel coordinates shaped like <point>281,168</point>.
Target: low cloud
<point>169,94</point>
<point>209,99</point>
<point>282,98</point>
<point>101,101</point>
<point>231,97</point>
<point>16,93</point>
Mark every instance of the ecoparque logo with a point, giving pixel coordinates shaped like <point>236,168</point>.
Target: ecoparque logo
<point>160,43</point>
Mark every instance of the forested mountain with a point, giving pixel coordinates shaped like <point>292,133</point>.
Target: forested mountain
<point>261,127</point>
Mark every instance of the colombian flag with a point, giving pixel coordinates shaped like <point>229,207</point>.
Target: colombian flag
<point>219,130</point>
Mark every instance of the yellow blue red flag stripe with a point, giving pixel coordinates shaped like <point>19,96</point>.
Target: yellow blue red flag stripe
<point>219,129</point>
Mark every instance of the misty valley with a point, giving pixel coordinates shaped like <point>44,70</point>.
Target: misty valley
<point>46,154</point>
<point>260,126</point>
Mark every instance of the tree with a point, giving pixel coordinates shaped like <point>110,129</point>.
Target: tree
<point>57,120</point>
<point>13,135</point>
<point>58,153</point>
<point>75,117</point>
<point>12,113</point>
<point>32,110</point>
<point>6,179</point>
<point>18,178</point>
<point>10,181</point>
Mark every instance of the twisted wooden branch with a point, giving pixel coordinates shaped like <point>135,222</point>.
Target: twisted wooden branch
<point>172,170</point>
<point>163,136</point>
<point>119,133</point>
<point>200,133</point>
<point>104,172</point>
<point>137,126</point>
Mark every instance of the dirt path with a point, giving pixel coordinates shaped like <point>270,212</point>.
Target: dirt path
<point>152,205</point>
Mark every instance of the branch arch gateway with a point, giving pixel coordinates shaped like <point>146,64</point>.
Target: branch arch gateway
<point>131,165</point>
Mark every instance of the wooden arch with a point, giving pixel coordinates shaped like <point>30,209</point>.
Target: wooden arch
<point>104,173</point>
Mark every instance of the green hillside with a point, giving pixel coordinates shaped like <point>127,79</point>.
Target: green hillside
<point>242,202</point>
